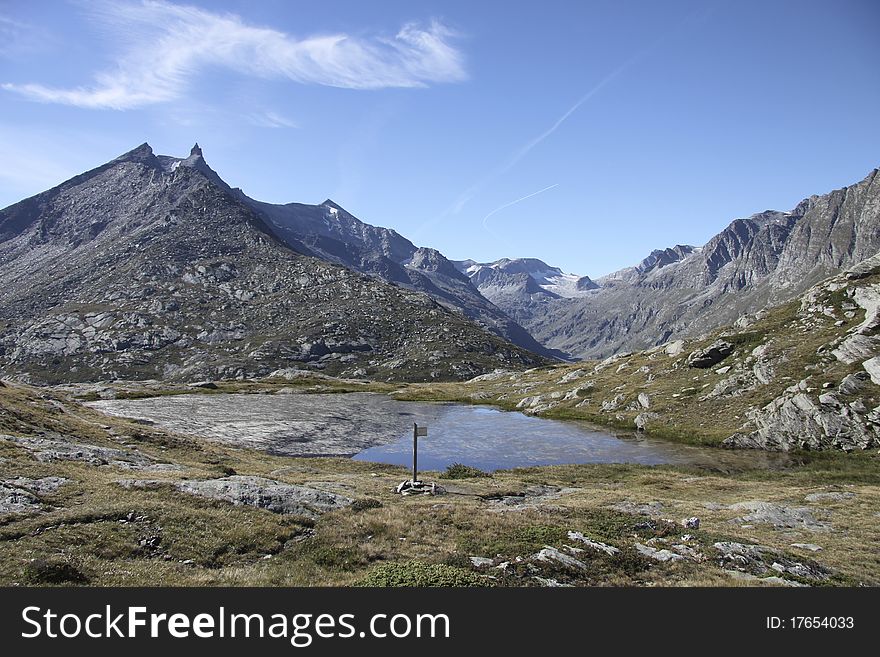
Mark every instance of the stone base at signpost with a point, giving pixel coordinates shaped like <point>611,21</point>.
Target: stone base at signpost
<point>410,487</point>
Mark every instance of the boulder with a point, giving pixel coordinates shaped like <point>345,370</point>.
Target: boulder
<point>657,555</point>
<point>852,384</point>
<point>553,556</point>
<point>872,367</point>
<point>610,550</point>
<point>674,348</point>
<point>643,419</point>
<point>855,348</point>
<point>711,355</point>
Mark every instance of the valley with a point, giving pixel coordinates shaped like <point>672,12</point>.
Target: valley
<point>199,388</point>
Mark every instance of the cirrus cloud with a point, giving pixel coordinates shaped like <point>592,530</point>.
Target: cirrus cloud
<point>168,45</point>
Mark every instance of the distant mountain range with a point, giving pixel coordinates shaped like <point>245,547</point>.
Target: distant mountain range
<point>152,266</point>
<point>756,262</point>
<point>684,291</point>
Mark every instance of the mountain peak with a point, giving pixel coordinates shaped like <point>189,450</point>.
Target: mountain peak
<point>195,151</point>
<point>142,152</point>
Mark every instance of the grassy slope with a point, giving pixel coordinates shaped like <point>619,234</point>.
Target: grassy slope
<point>82,523</point>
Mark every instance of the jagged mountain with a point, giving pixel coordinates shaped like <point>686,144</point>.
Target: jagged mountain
<point>526,289</point>
<point>329,232</point>
<point>755,262</point>
<point>658,259</point>
<point>152,267</point>
<point>551,280</point>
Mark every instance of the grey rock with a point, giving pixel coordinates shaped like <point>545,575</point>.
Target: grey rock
<point>41,486</point>
<point>674,348</point>
<point>481,562</point>
<point>772,580</point>
<point>55,447</point>
<point>610,550</point>
<point>811,547</point>
<point>531,498</point>
<point>711,355</point>
<point>780,516</point>
<point>762,560</point>
<point>855,348</point>
<point>657,555</point>
<point>644,400</point>
<point>829,497</point>
<point>794,421</point>
<point>14,499</point>
<point>552,555</point>
<point>872,367</point>
<point>269,494</point>
<point>642,420</point>
<point>852,384</point>
<point>209,385</point>
<point>691,523</point>
<point>22,494</point>
<point>550,582</point>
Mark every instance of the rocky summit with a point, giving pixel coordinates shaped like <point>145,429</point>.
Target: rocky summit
<point>151,267</point>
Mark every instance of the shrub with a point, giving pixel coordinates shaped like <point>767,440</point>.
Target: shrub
<point>43,571</point>
<point>416,573</point>
<point>461,471</point>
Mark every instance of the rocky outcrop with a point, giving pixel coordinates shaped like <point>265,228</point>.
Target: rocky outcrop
<point>711,355</point>
<point>798,421</point>
<point>267,494</point>
<point>761,560</point>
<point>22,494</point>
<point>259,492</point>
<point>55,447</point>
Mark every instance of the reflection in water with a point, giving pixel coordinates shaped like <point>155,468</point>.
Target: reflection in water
<point>490,439</point>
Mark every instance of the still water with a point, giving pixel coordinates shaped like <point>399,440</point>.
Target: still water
<point>374,427</point>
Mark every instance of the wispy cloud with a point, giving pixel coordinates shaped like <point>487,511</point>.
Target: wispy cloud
<point>168,45</point>
<point>271,119</point>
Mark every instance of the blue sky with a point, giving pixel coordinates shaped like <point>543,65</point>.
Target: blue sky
<point>583,133</point>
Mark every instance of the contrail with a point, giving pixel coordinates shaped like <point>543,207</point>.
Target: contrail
<point>524,150</point>
<point>528,146</point>
<point>507,205</point>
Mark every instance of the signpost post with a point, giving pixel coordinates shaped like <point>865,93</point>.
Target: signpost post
<point>417,431</point>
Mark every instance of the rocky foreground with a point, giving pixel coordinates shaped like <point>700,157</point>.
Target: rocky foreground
<point>92,499</point>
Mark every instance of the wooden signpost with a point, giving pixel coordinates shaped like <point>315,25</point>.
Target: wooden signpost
<point>414,486</point>
<point>417,431</point>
